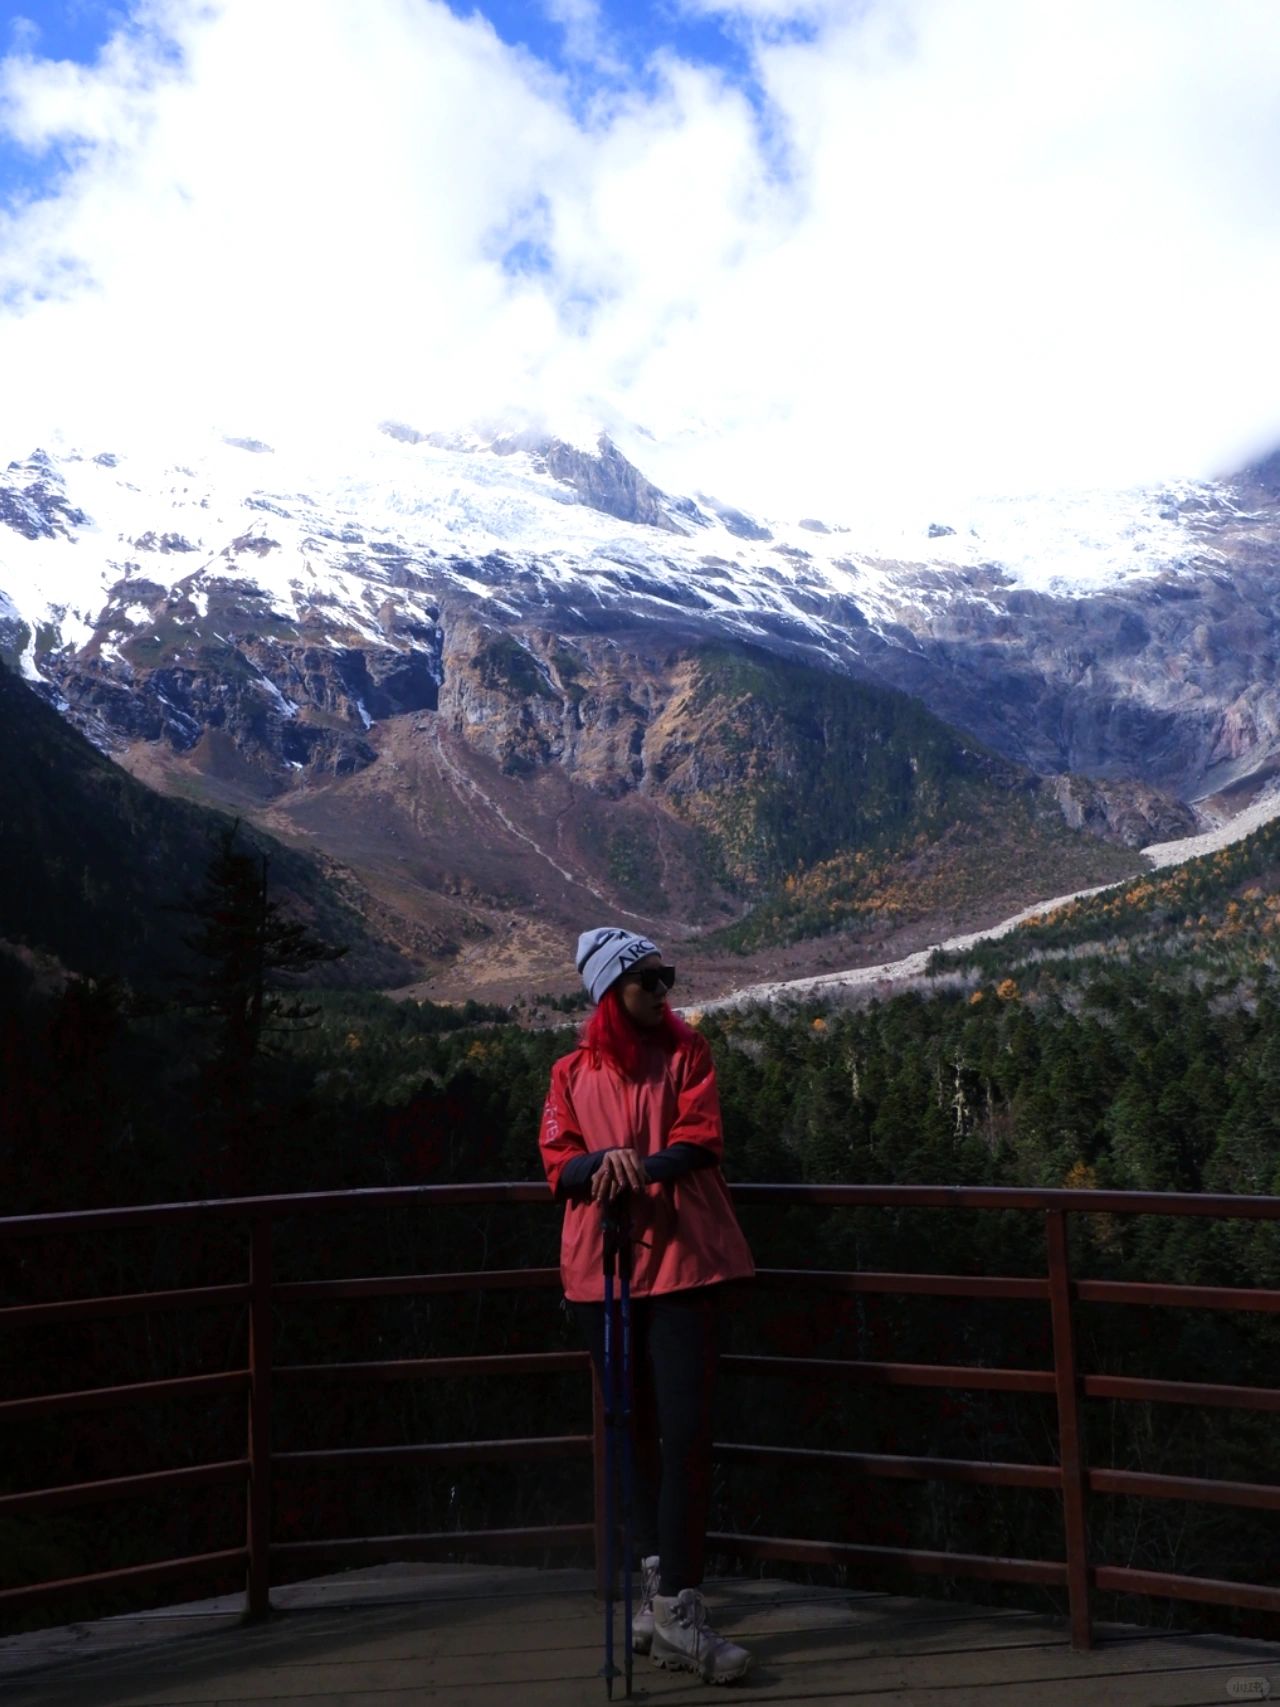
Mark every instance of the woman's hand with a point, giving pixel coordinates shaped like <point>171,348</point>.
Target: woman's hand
<point>621,1170</point>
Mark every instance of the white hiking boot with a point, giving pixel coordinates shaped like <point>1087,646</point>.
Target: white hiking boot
<point>684,1641</point>
<point>642,1619</point>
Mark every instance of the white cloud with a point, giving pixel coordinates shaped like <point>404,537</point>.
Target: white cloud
<point>24,33</point>
<point>984,245</point>
<point>585,34</point>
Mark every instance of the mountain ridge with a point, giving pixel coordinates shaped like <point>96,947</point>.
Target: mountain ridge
<point>1042,604</point>
<point>230,625</point>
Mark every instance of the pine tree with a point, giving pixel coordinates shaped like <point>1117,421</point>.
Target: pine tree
<point>247,945</point>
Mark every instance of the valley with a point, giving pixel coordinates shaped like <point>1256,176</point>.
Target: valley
<point>912,969</point>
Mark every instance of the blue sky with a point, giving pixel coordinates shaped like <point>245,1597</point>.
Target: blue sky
<point>988,245</point>
<point>74,30</point>
<point>626,35</point>
<point>65,29</point>
<point>633,29</point>
<point>629,31</point>
<point>56,29</point>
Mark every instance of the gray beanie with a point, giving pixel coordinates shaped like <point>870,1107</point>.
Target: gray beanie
<point>605,953</point>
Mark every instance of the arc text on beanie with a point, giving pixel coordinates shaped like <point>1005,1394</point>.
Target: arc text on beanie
<point>605,953</point>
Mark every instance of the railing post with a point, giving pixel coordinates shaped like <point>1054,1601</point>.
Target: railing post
<point>1071,1454</point>
<point>599,1464</point>
<point>258,1586</point>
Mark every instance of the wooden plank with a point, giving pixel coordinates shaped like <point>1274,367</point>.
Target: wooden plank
<point>412,1596</point>
<point>124,1304</point>
<point>983,1472</point>
<point>945,1285</point>
<point>1050,1573</point>
<point>584,1639</point>
<point>474,1634</point>
<point>402,1285</point>
<point>667,1689</point>
<point>108,1398</point>
<point>675,1691</point>
<point>1071,1454</point>
<point>1145,1293</point>
<point>1134,1387</point>
<point>373,1590</point>
<point>958,1375</point>
<point>444,1542</point>
<point>131,1576</point>
<point>436,1368</point>
<point>434,1579</point>
<point>1254,1496</point>
<point>844,1683</point>
<point>572,1679</point>
<point>282,1664</point>
<point>1123,1580</point>
<point>776,1657</point>
<point>124,1487</point>
<point>525,1450</point>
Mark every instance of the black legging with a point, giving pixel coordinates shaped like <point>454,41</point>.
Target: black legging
<point>675,1342</point>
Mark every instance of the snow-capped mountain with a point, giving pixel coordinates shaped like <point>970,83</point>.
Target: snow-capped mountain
<point>266,619</point>
<point>538,522</point>
<point>110,560</point>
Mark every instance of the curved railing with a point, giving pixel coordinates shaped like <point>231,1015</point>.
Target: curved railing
<point>1071,1476</point>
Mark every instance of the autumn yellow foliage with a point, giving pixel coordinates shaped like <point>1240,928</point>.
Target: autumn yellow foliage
<point>1081,1177</point>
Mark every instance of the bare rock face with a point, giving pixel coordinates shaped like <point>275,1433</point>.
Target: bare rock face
<point>606,481</point>
<point>1131,813</point>
<point>1171,680</point>
<point>33,500</point>
<point>241,708</point>
<point>281,705</point>
<point>532,698</point>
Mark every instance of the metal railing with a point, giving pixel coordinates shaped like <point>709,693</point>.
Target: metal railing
<point>1071,1476</point>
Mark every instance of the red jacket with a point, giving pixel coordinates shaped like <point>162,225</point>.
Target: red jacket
<point>690,1234</point>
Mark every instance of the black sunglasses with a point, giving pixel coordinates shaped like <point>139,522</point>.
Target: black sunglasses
<point>650,977</point>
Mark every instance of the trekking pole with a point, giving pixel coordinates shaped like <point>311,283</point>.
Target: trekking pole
<point>610,1247</point>
<point>624,1415</point>
<point>617,1418</point>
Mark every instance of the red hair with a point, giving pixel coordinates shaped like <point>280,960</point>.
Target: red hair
<point>613,1036</point>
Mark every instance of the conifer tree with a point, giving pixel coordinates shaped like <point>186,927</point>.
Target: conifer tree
<point>247,945</point>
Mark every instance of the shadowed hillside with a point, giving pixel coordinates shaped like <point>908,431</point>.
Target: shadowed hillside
<point>92,861</point>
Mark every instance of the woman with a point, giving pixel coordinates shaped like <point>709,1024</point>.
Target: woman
<point>633,1112</point>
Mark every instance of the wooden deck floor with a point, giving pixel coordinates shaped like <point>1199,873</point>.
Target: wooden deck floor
<point>479,1637</point>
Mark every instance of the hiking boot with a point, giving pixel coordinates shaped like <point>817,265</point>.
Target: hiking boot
<point>642,1619</point>
<point>684,1641</point>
